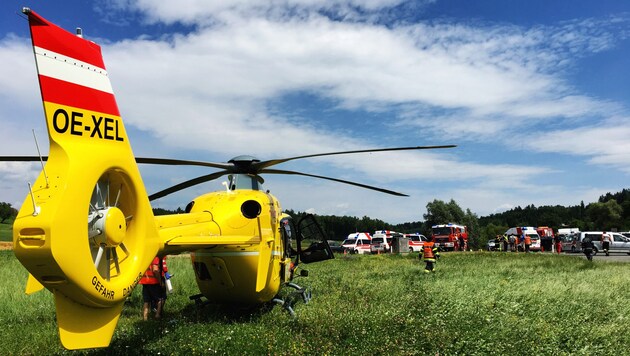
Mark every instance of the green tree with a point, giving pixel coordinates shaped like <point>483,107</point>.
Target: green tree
<point>439,212</point>
<point>457,214</point>
<point>472,223</point>
<point>605,216</point>
<point>6,212</point>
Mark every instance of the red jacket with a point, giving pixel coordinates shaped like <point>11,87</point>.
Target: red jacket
<point>154,278</point>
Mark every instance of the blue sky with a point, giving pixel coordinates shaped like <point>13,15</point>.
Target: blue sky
<point>535,94</point>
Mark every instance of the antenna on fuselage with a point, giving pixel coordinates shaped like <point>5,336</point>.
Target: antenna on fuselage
<point>41,159</point>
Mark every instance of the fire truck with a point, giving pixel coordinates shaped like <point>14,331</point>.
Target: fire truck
<point>448,236</point>
<point>546,238</point>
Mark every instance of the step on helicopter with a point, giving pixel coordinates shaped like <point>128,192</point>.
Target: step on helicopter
<point>86,231</point>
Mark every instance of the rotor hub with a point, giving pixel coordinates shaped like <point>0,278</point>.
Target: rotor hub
<point>110,226</point>
<point>244,164</point>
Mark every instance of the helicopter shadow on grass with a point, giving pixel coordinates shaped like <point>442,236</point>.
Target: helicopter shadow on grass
<point>130,340</point>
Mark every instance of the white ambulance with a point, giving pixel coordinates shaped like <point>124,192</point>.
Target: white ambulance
<point>358,242</point>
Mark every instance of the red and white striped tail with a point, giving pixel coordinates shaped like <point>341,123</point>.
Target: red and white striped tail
<point>71,69</point>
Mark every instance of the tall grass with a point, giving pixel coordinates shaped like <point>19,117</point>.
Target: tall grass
<point>475,303</point>
<point>6,232</point>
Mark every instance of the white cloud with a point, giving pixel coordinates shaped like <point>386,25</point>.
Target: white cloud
<point>606,145</point>
<point>207,92</point>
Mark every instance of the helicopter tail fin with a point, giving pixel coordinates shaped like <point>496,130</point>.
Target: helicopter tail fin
<point>82,327</point>
<point>91,263</point>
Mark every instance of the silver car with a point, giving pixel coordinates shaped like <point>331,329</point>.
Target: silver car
<point>619,242</point>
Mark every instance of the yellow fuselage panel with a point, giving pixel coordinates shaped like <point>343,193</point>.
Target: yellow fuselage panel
<point>232,276</point>
<point>233,270</point>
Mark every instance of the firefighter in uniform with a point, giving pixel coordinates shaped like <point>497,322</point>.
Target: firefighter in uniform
<point>587,247</point>
<point>430,254</point>
<point>528,241</point>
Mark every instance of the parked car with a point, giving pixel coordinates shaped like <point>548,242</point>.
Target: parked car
<point>569,243</point>
<point>359,245</point>
<point>619,243</point>
<point>535,243</point>
<point>493,244</point>
<point>381,244</point>
<point>335,246</point>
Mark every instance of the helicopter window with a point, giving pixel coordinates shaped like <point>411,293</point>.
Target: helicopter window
<point>287,229</point>
<point>244,181</point>
<point>202,271</point>
<point>189,206</point>
<point>286,225</point>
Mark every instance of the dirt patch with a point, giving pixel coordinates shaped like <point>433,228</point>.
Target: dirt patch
<point>5,245</point>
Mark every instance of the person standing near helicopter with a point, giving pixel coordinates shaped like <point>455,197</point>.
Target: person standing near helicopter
<point>153,288</point>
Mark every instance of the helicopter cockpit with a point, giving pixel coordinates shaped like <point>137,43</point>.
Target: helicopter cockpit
<point>245,181</point>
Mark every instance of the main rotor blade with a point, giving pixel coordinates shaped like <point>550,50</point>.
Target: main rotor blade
<point>22,158</point>
<point>273,162</point>
<point>187,184</point>
<point>143,160</point>
<point>281,171</point>
<point>181,162</point>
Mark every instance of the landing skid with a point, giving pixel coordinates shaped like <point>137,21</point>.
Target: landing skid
<point>198,301</point>
<point>289,301</point>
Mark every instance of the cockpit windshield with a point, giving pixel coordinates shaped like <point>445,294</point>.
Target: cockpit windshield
<point>245,181</point>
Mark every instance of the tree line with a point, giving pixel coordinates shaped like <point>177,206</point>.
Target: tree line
<point>611,213</point>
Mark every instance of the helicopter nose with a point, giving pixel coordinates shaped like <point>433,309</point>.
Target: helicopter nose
<point>251,209</point>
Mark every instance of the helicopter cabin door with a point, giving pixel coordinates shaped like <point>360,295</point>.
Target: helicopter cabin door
<point>318,250</point>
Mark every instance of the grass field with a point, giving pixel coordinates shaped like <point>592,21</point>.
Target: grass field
<point>6,234</point>
<point>475,303</point>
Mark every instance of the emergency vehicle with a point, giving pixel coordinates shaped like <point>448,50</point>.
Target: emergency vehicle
<point>416,242</point>
<point>382,240</point>
<point>527,230</point>
<point>447,236</point>
<point>546,237</point>
<point>358,242</point>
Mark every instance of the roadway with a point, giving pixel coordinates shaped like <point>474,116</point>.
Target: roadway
<point>614,256</point>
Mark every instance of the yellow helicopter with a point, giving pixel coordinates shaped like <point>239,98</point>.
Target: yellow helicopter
<point>86,230</point>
